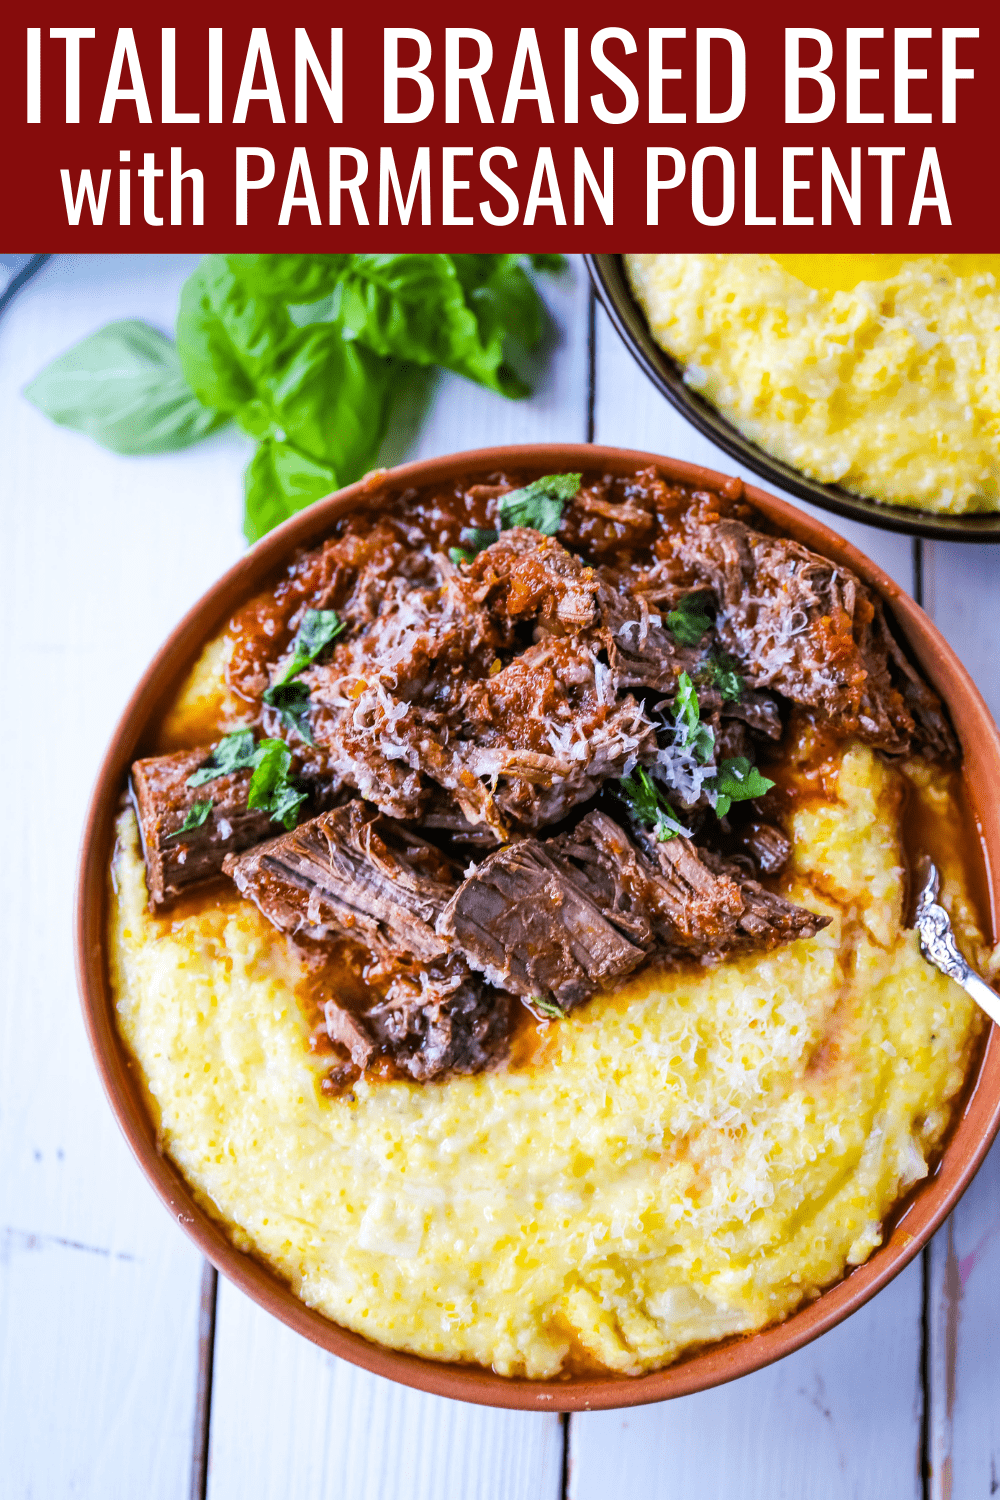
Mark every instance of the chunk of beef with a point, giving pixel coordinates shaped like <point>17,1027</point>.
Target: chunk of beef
<point>768,847</point>
<point>445,1020</point>
<point>441,1020</point>
<point>526,576</point>
<point>674,900</point>
<point>642,651</point>
<point>348,573</point>
<point>563,918</point>
<point>352,873</point>
<point>546,731</point>
<point>163,801</point>
<point>799,624</point>
<point>767,919</point>
<point>933,735</point>
<point>424,699</point>
<point>524,922</point>
<point>683,908</point>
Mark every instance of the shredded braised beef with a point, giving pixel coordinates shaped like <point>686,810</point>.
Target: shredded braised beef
<point>477,709</point>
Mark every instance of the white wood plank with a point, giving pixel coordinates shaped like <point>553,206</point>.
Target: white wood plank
<point>288,1419</point>
<point>98,1325</point>
<point>962,597</point>
<point>281,1406</point>
<point>962,592</point>
<point>630,412</point>
<point>839,1420</point>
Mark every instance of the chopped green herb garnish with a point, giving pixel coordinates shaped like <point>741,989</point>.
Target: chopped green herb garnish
<point>197,814</point>
<point>318,629</point>
<point>233,753</point>
<point>291,699</point>
<point>648,805</point>
<point>547,1008</point>
<point>476,538</point>
<point>737,781</point>
<point>538,505</point>
<point>285,803</point>
<point>687,710</point>
<point>721,673</point>
<point>271,786</point>
<point>689,622</point>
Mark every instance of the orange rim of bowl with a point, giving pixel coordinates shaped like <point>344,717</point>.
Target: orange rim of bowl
<point>971,1134</point>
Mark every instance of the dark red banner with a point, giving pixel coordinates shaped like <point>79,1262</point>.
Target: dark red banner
<point>813,128</point>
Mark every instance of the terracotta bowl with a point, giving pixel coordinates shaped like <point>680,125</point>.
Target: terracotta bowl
<point>970,1138</point>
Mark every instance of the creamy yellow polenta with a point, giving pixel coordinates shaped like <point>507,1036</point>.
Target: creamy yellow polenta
<point>888,385</point>
<point>689,1158</point>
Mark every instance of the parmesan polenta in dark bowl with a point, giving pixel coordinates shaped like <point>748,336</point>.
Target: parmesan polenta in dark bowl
<point>865,384</point>
<point>493,926</point>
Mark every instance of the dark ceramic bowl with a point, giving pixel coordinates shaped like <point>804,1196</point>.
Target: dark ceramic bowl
<point>611,283</point>
<point>930,1203</point>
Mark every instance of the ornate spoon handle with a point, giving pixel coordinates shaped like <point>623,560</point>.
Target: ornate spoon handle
<point>937,944</point>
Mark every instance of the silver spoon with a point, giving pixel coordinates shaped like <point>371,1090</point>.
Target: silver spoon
<point>937,943</point>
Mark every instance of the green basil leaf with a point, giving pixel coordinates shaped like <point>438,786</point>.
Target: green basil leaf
<point>197,814</point>
<point>124,387</point>
<point>233,753</point>
<point>506,306</point>
<point>227,336</point>
<point>414,307</point>
<point>271,786</point>
<point>279,482</point>
<point>319,627</point>
<point>288,278</point>
<point>547,1008</point>
<point>478,538</point>
<point>328,397</point>
<point>686,706</point>
<point>722,674</point>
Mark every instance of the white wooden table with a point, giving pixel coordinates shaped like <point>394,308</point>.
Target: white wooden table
<point>121,1373</point>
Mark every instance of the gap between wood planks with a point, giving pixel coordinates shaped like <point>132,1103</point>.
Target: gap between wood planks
<point>203,1390</point>
<point>925,1254</point>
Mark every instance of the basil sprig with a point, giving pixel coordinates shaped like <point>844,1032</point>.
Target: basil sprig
<point>319,627</point>
<point>233,753</point>
<point>308,354</point>
<point>271,786</point>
